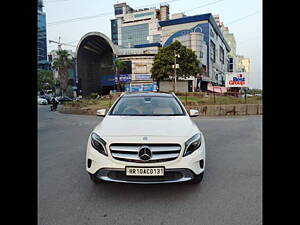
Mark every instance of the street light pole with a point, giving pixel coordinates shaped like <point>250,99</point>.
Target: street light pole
<point>175,66</point>
<point>175,72</point>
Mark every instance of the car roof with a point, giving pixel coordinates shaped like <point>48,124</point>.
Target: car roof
<point>147,94</point>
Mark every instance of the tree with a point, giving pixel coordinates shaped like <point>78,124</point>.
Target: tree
<point>119,66</point>
<point>62,63</point>
<point>45,80</point>
<point>164,60</point>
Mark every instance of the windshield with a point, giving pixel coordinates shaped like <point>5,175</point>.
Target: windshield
<point>147,106</point>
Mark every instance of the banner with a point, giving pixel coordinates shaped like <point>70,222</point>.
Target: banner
<point>124,78</point>
<point>217,89</point>
<point>236,80</point>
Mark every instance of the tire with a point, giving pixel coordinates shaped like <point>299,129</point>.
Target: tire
<point>197,179</point>
<point>95,179</point>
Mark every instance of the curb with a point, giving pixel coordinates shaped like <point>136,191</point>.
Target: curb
<point>204,110</point>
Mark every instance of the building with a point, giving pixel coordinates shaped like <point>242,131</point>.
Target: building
<point>43,63</point>
<point>246,64</point>
<point>230,39</point>
<point>242,64</point>
<point>140,62</point>
<point>208,40</point>
<point>132,28</point>
<point>136,36</point>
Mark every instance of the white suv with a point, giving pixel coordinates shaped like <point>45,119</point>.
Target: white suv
<point>146,138</point>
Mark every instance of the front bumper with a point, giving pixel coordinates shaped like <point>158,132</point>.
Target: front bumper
<point>179,170</point>
<point>118,175</point>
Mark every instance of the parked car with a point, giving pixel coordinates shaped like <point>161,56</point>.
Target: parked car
<point>63,99</point>
<point>146,138</point>
<point>41,101</point>
<point>260,95</point>
<point>47,97</point>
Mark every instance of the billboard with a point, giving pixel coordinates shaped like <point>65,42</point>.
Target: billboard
<point>236,80</point>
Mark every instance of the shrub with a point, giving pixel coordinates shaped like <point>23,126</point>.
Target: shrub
<point>93,95</point>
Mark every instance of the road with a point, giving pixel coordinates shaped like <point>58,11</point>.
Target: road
<point>231,191</point>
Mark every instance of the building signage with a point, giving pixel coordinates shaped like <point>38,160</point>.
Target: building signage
<point>143,76</point>
<point>141,87</point>
<point>124,78</point>
<point>236,80</point>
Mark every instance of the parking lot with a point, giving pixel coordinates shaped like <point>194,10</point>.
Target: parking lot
<point>231,191</point>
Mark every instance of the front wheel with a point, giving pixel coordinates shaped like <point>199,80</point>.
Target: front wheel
<point>197,178</point>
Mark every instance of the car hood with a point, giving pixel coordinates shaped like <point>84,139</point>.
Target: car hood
<point>167,126</point>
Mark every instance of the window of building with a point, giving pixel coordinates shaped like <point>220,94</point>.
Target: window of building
<point>213,51</point>
<point>156,38</point>
<point>201,54</point>
<point>221,54</point>
<point>212,33</point>
<point>118,10</point>
<point>135,34</point>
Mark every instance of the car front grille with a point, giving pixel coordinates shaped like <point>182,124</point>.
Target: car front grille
<point>130,152</point>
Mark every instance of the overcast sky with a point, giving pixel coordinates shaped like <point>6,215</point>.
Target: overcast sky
<point>243,18</point>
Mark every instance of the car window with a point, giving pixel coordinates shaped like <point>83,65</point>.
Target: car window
<point>147,106</point>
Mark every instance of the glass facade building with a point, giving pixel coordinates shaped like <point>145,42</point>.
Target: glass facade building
<point>41,38</point>
<point>135,34</point>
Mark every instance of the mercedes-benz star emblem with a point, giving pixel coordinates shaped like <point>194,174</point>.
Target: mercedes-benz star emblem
<point>145,152</point>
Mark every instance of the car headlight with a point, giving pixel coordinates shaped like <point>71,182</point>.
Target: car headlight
<point>98,143</point>
<point>192,144</point>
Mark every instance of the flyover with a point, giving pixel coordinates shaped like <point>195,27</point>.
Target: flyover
<point>95,55</point>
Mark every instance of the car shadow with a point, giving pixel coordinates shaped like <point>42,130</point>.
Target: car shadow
<point>148,192</point>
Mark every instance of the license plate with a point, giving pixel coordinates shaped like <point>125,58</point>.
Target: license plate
<point>145,171</point>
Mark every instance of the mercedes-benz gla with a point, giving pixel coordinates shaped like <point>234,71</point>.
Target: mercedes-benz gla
<point>146,138</point>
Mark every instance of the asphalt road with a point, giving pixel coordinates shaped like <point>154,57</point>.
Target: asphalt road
<point>231,191</point>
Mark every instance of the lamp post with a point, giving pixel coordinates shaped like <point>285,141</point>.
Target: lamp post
<point>175,67</point>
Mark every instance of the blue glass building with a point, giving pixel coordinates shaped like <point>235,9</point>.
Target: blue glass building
<point>43,63</point>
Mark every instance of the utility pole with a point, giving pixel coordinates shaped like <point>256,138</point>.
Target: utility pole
<point>59,44</point>
<point>175,67</point>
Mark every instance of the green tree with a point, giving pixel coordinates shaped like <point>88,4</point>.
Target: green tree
<point>45,80</point>
<point>62,63</point>
<point>119,67</point>
<point>165,58</point>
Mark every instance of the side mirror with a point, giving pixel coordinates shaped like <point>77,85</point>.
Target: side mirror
<point>194,113</point>
<point>101,112</point>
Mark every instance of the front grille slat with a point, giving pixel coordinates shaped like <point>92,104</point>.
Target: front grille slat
<point>164,156</point>
<point>160,152</point>
<point>124,148</point>
<point>165,148</point>
<point>125,156</point>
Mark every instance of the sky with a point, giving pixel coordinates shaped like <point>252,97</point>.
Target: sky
<point>243,18</point>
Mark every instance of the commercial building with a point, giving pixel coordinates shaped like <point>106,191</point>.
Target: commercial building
<point>209,44</point>
<point>230,39</point>
<point>246,64</point>
<point>242,64</point>
<point>132,28</point>
<point>43,63</point>
<point>136,36</point>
